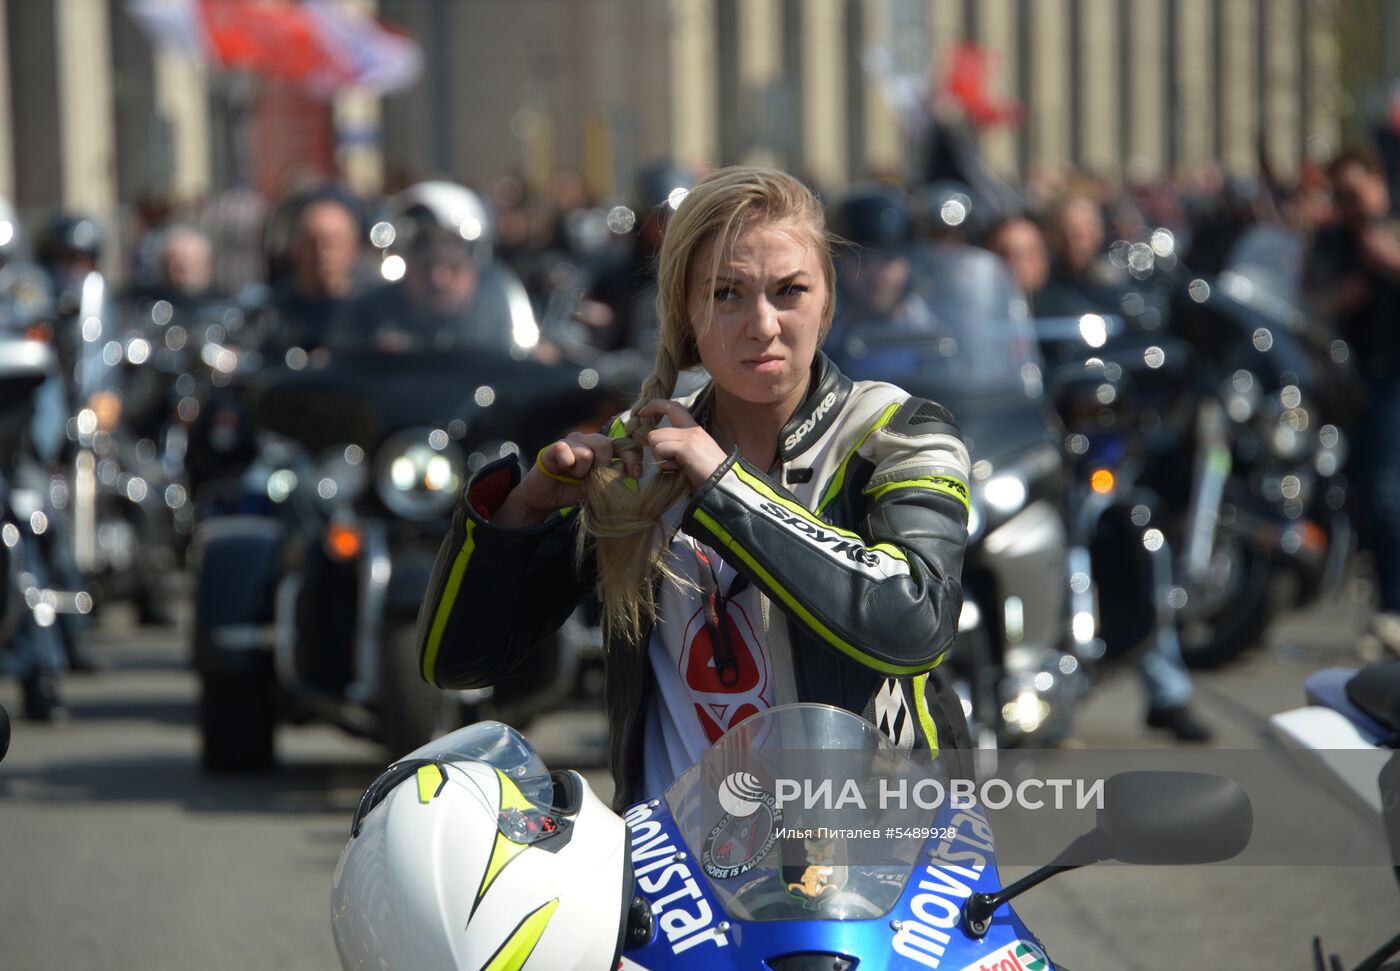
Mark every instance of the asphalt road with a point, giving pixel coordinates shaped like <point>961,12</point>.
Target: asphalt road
<point>117,852</point>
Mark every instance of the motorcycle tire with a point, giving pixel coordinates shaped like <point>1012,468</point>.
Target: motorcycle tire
<point>413,712</point>
<point>1236,622</point>
<point>238,715</point>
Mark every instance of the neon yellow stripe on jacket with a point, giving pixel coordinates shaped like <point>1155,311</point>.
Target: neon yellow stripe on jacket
<point>833,488</point>
<point>850,650</point>
<point>763,489</point>
<point>449,598</point>
<point>934,483</point>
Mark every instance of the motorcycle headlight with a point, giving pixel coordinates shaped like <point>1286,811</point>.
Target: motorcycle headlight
<point>1005,492</point>
<point>420,472</point>
<point>340,474</point>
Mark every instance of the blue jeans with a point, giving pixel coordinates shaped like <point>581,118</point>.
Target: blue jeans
<point>32,648</point>
<point>1164,676</point>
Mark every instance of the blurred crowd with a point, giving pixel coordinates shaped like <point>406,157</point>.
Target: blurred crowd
<point>558,276</point>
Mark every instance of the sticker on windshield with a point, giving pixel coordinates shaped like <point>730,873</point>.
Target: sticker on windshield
<point>745,833</point>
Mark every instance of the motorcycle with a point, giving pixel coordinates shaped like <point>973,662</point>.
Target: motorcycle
<point>1265,498</point>
<point>37,607</point>
<point>969,346</point>
<point>722,873</point>
<point>133,491</point>
<point>308,599</point>
<point>1120,394</point>
<point>1347,736</point>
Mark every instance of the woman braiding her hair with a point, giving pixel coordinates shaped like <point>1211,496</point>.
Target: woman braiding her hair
<point>782,535</point>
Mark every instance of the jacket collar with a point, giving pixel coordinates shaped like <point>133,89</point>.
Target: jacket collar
<point>825,398</point>
<point>818,411</point>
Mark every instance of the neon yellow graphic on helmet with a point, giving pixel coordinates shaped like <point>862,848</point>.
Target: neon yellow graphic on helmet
<point>521,944</point>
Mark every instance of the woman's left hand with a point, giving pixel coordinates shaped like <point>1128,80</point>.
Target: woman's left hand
<point>683,445</point>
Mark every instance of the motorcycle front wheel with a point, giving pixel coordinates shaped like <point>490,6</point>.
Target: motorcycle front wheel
<point>1232,612</point>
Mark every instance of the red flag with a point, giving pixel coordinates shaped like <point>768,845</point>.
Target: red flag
<point>320,45</point>
<point>966,84</point>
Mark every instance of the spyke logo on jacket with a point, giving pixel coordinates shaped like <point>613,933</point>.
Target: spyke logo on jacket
<point>855,540</point>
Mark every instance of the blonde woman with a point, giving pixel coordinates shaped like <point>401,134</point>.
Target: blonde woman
<point>784,534</point>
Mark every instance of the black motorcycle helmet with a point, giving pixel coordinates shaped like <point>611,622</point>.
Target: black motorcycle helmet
<point>69,234</point>
<point>658,183</point>
<point>873,215</point>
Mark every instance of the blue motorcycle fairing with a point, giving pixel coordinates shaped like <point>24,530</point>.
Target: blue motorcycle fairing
<point>691,928</point>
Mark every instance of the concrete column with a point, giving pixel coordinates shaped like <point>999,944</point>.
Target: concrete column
<point>997,33</point>
<point>7,129</point>
<point>1101,88</point>
<point>360,152</point>
<point>1048,114</point>
<point>1281,123</point>
<point>85,120</point>
<point>1192,74</point>
<point>760,69</point>
<point>694,82</point>
<point>883,148</point>
<point>1239,96</point>
<point>824,92</point>
<point>1323,124</point>
<point>182,97</point>
<point>945,24</point>
<point>1150,76</point>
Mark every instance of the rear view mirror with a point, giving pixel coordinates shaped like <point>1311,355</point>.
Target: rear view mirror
<point>1174,818</point>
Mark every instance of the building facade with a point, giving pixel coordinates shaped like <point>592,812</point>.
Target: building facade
<point>92,117</point>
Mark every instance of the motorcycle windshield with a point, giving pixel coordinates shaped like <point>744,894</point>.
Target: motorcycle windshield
<point>1270,260</point>
<point>961,328</point>
<point>497,745</point>
<point>771,856</point>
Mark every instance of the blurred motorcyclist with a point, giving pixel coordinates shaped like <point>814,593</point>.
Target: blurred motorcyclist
<point>1081,283</point>
<point>32,654</point>
<point>1353,279</point>
<point>451,294</point>
<point>69,248</point>
<point>184,270</point>
<point>322,261</point>
<point>1081,280</point>
<point>621,309</point>
<point>873,278</point>
<point>1021,244</point>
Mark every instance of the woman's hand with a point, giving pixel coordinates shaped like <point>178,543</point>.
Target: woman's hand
<point>555,481</point>
<point>683,445</point>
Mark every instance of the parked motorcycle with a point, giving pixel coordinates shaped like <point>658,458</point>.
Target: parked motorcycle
<point>1348,735</point>
<point>308,608</point>
<point>1265,496</point>
<point>968,344</point>
<point>719,875</point>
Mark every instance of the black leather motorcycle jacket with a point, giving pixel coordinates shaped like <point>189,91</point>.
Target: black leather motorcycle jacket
<point>855,539</point>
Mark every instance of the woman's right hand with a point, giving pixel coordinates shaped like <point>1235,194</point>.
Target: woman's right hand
<point>547,487</point>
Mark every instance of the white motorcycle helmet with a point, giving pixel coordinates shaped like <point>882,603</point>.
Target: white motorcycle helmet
<point>468,854</point>
<point>443,209</point>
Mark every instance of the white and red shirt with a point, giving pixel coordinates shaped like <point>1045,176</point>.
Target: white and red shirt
<point>698,691</point>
